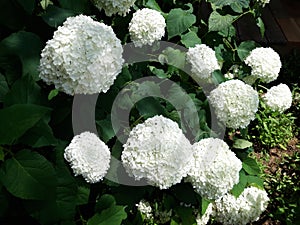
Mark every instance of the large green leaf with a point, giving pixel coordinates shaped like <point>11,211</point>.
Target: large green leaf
<point>27,46</point>
<point>81,6</point>
<point>190,39</point>
<point>28,175</point>
<point>112,216</point>
<point>242,144</point>
<point>178,21</point>
<point>149,107</point>
<point>217,22</point>
<point>222,3</point>
<point>239,187</point>
<point>250,166</point>
<point>17,119</point>
<point>244,49</point>
<point>3,87</point>
<point>55,16</point>
<point>152,4</point>
<point>106,130</point>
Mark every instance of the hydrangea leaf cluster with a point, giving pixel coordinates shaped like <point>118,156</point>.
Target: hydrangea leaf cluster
<point>247,208</point>
<point>83,57</point>
<point>146,27</point>
<point>88,156</point>
<point>111,7</point>
<point>158,151</point>
<point>215,168</point>
<point>265,64</point>
<point>203,61</point>
<point>235,103</point>
<point>278,98</point>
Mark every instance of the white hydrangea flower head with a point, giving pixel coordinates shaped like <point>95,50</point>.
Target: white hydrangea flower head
<point>146,27</point>
<point>279,98</point>
<point>84,57</point>
<point>203,61</point>
<point>145,208</point>
<point>215,168</point>
<point>265,64</point>
<point>235,103</point>
<point>158,151</point>
<point>245,209</point>
<point>88,156</point>
<point>203,220</point>
<point>111,7</point>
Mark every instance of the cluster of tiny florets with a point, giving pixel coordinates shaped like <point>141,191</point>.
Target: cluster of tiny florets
<point>278,98</point>
<point>214,168</point>
<point>203,61</point>
<point>88,156</point>
<point>247,208</point>
<point>158,151</point>
<point>84,57</point>
<point>265,64</point>
<point>235,103</point>
<point>146,27</point>
<point>110,7</point>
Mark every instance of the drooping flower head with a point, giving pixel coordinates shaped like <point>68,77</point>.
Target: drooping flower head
<point>265,64</point>
<point>214,168</point>
<point>203,61</point>
<point>121,7</point>
<point>84,57</point>
<point>88,156</point>
<point>158,151</point>
<point>235,103</point>
<point>242,210</point>
<point>279,98</point>
<point>146,27</point>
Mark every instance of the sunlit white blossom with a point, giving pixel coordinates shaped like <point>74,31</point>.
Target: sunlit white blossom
<point>121,7</point>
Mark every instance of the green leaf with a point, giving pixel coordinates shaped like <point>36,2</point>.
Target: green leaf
<point>149,107</point>
<point>261,25</point>
<point>25,90</point>
<point>83,194</point>
<point>173,57</point>
<point>186,215</point>
<point>245,48</point>
<point>242,144</point>
<point>55,16</point>
<point>17,119</point>
<point>218,77</point>
<point>238,5</point>
<point>250,166</point>
<point>158,72</point>
<point>239,187</point>
<point>81,6</point>
<point>106,130</point>
<point>52,94</point>
<point>3,87</point>
<point>178,21</point>
<point>152,4</point>
<point>217,22</point>
<point>234,3</point>
<point>255,181</point>
<point>112,216</point>
<point>28,5</point>
<point>190,39</point>
<point>204,205</point>
<point>106,201</point>
<point>28,175</point>
<point>12,15</point>
<point>27,46</point>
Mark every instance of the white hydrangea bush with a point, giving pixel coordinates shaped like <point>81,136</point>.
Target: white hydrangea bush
<point>265,64</point>
<point>146,27</point>
<point>278,98</point>
<point>214,168</point>
<point>235,103</point>
<point>88,156</point>
<point>83,57</point>
<point>245,209</point>
<point>158,151</point>
<point>203,61</point>
<point>111,7</point>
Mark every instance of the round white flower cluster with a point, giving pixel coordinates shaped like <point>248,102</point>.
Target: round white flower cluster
<point>215,168</point>
<point>203,220</point>
<point>279,98</point>
<point>235,103</point>
<point>203,61</point>
<point>146,27</point>
<point>158,151</point>
<point>265,64</point>
<point>121,7</point>
<point>145,209</point>
<point>88,156</point>
<point>242,210</point>
<point>84,57</point>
